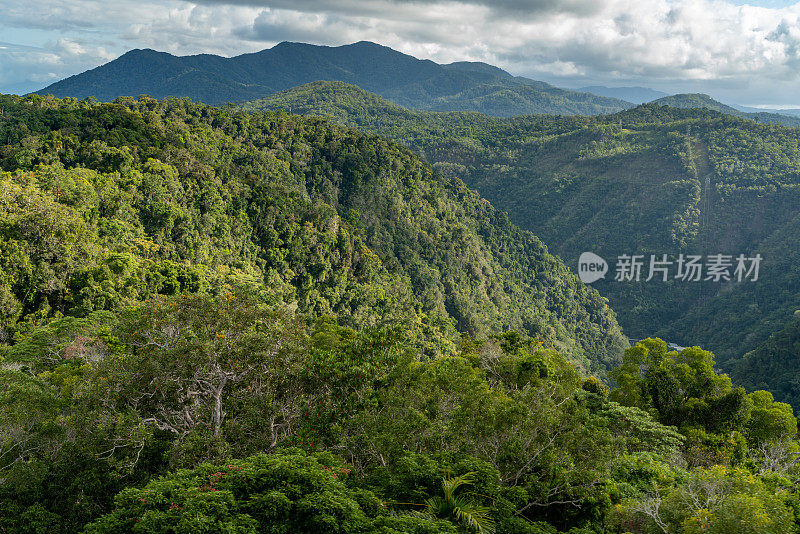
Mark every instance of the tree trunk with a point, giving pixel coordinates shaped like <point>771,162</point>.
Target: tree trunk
<point>216,416</point>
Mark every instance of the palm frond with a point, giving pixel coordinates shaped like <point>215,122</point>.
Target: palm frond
<point>451,485</point>
<point>459,508</point>
<point>473,516</point>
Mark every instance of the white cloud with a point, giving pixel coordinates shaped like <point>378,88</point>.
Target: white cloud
<point>26,68</point>
<point>743,53</point>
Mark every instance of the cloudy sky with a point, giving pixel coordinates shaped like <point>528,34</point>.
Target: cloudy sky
<point>744,53</point>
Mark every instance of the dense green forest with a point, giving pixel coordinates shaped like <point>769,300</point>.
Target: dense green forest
<point>411,82</point>
<point>220,321</point>
<point>143,197</point>
<point>651,180</point>
<point>224,413</point>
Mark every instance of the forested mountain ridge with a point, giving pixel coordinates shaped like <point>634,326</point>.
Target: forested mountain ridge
<point>143,197</point>
<point>700,100</point>
<point>404,79</point>
<point>630,183</point>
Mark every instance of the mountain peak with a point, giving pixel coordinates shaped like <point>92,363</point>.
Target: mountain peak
<point>358,44</point>
<point>401,78</point>
<point>695,100</point>
<point>368,44</point>
<point>144,52</point>
<point>292,44</point>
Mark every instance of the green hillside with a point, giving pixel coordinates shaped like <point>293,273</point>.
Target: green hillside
<point>774,364</point>
<point>510,98</point>
<point>652,180</point>
<point>146,197</point>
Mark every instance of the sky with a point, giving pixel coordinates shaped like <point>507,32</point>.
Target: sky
<point>744,53</point>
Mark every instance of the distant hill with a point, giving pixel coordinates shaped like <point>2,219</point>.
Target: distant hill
<point>636,95</point>
<point>696,100</point>
<point>791,112</point>
<point>340,101</point>
<point>403,79</point>
<point>700,100</point>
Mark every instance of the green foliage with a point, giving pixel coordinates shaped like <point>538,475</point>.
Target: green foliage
<point>288,491</point>
<point>459,508</point>
<point>720,422</point>
<point>179,385</point>
<point>715,500</point>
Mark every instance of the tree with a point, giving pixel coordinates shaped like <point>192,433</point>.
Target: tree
<point>191,355</point>
<point>716,500</point>
<point>458,507</point>
<point>281,493</point>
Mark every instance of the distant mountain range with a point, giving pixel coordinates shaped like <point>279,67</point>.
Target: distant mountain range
<point>643,95</point>
<point>793,112</point>
<point>403,79</point>
<point>699,100</point>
